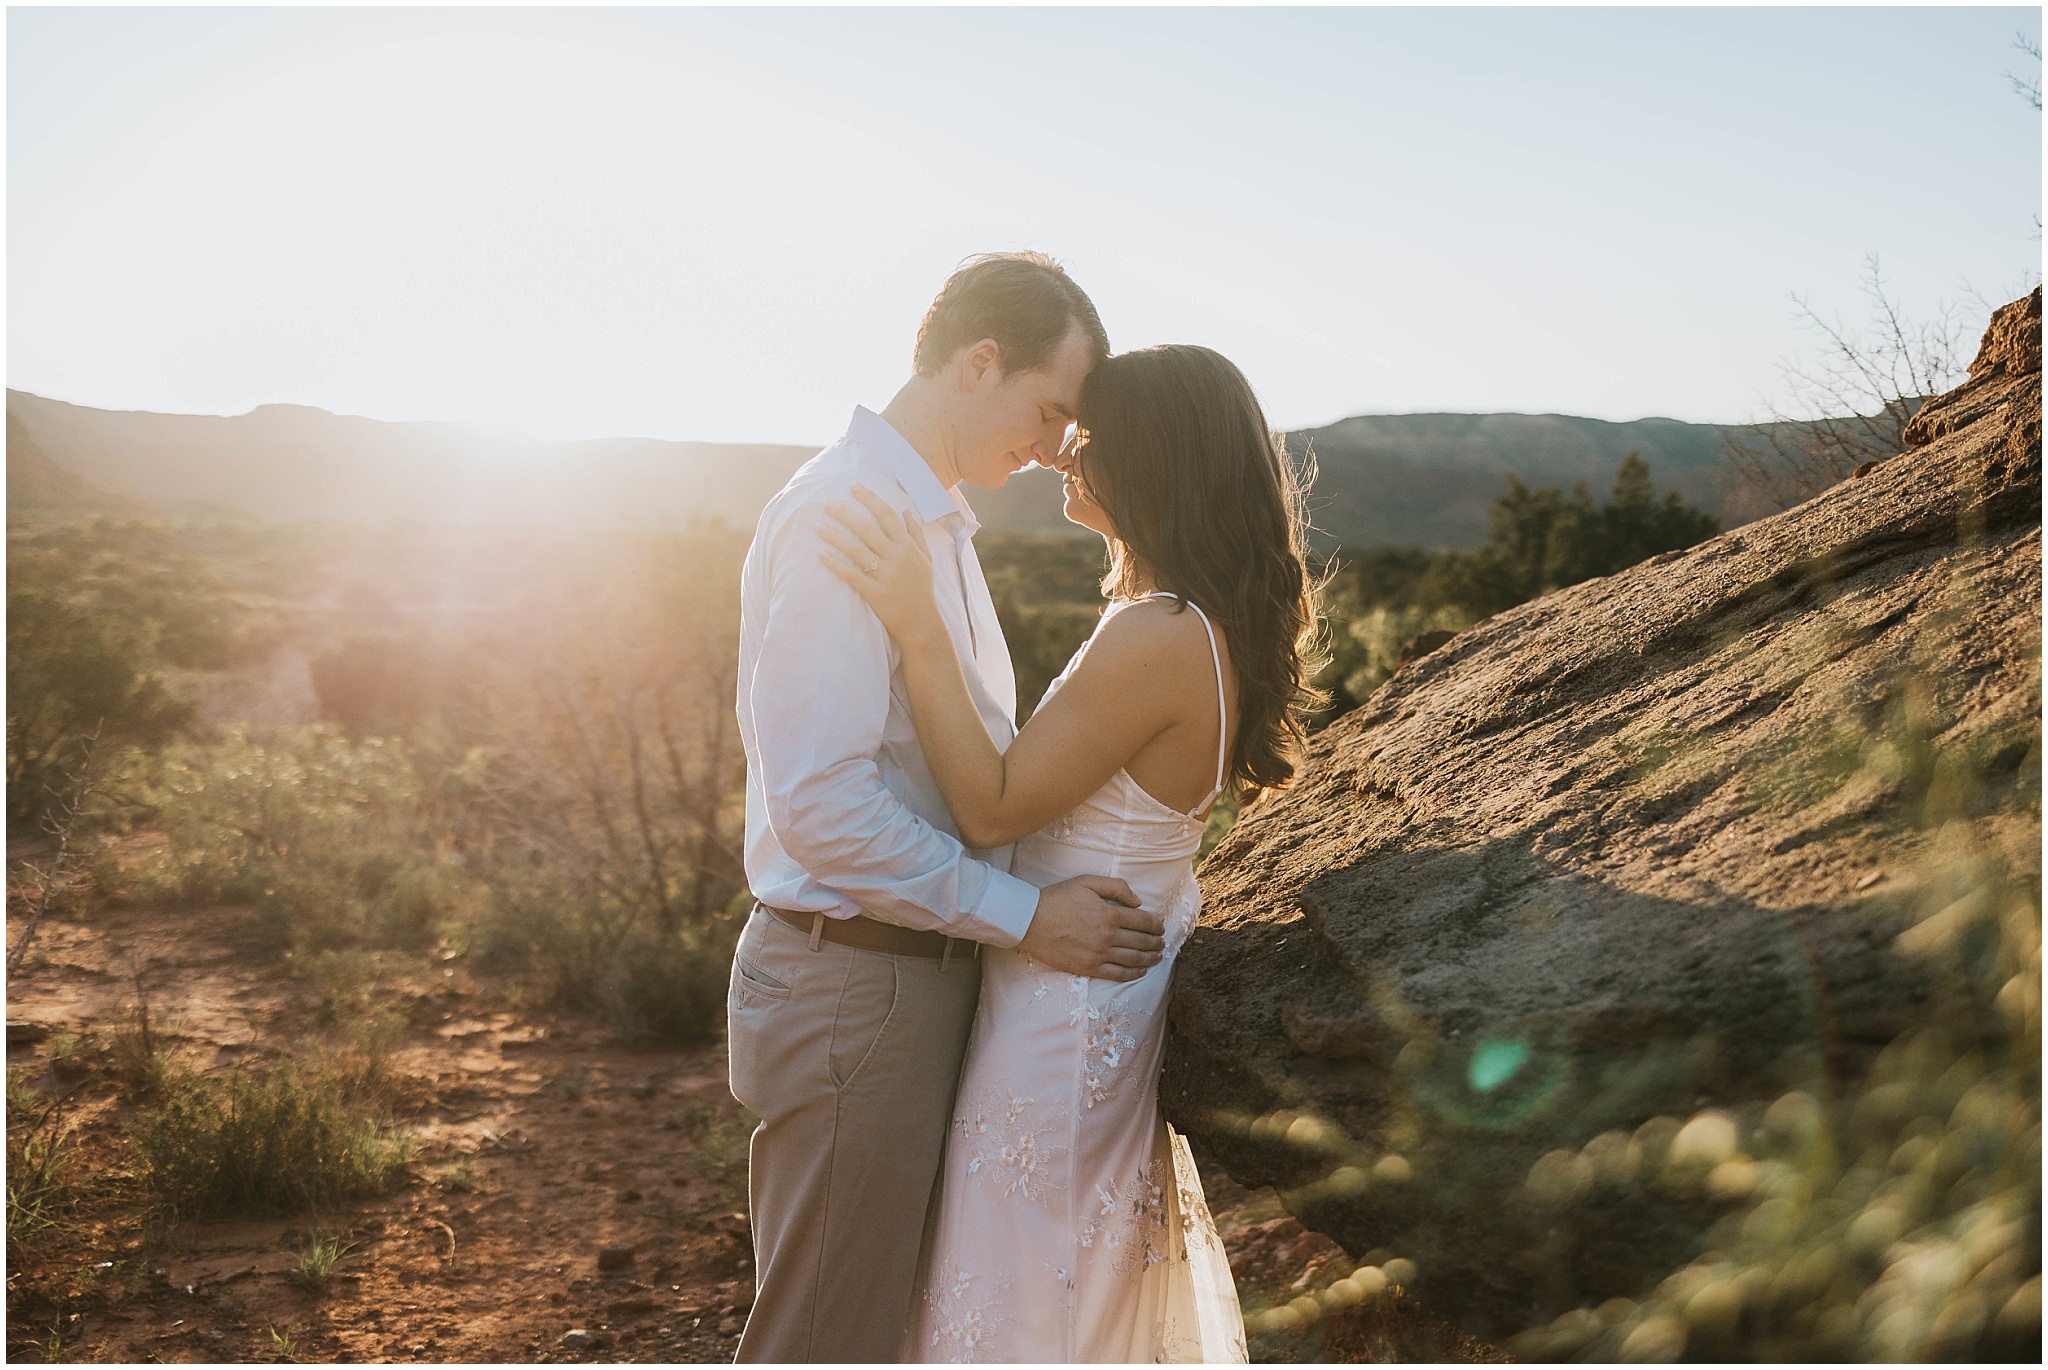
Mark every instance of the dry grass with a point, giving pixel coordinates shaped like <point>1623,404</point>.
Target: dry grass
<point>255,1144</point>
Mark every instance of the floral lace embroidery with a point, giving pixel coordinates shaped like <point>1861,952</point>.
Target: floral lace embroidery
<point>1130,1223</point>
<point>1197,1228</point>
<point>1182,912</point>
<point>1107,1043</point>
<point>963,1327</point>
<point>1080,825</point>
<point>1008,1142</point>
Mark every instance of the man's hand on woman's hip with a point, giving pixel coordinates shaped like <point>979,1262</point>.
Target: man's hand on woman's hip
<point>1092,925</point>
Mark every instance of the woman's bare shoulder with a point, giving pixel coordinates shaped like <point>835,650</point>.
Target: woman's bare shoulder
<point>1157,635</point>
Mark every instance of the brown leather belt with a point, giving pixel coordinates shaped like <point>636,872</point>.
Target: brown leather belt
<point>872,934</point>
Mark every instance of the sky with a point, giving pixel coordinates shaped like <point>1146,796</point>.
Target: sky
<point>725,224</point>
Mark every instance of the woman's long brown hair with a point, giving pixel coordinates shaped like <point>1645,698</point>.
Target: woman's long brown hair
<point>1202,494</point>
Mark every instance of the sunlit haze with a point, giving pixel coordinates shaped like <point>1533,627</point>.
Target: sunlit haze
<point>725,225</point>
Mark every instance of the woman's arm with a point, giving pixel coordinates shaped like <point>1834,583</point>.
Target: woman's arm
<point>1118,699</point>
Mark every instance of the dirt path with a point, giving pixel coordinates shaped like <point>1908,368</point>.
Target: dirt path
<point>541,1146</point>
<point>561,1183</point>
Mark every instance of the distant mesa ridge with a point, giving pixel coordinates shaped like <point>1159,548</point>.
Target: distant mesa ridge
<point>1385,480</point>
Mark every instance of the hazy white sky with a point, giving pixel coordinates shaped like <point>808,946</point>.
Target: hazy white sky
<point>726,224</point>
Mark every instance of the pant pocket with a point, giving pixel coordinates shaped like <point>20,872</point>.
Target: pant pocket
<point>748,979</point>
<point>757,1027</point>
<point>867,1006</point>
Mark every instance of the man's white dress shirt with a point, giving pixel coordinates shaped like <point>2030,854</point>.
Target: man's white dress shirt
<point>843,816</point>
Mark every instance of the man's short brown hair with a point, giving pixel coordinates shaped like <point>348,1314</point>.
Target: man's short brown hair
<point>1024,300</point>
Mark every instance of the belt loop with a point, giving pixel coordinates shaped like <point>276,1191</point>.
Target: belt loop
<point>817,930</point>
<point>946,956</point>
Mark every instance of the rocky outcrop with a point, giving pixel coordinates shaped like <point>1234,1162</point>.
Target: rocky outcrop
<point>1579,943</point>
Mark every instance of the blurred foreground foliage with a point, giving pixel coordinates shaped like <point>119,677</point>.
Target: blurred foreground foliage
<point>1866,1196</point>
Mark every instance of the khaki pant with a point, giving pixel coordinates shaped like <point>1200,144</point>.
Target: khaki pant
<point>850,1059</point>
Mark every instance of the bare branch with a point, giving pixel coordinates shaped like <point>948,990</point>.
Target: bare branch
<point>1852,403</point>
<point>2027,89</point>
<point>53,879</point>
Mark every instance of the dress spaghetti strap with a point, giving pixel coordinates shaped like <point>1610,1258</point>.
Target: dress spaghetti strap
<point>1222,710</point>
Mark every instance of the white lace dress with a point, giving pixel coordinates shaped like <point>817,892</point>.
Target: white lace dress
<point>1071,1224</point>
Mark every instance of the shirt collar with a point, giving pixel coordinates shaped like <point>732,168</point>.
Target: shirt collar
<point>933,501</point>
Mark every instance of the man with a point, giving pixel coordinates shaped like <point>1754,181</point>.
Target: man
<point>855,980</point>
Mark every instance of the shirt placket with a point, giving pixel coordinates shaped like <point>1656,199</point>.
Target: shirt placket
<point>992,657</point>
<point>954,538</point>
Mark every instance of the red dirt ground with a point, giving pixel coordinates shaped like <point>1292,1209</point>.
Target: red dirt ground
<point>541,1143</point>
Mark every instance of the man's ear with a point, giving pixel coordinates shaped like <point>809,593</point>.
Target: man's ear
<point>981,364</point>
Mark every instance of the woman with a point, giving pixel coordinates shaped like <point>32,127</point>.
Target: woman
<point>1071,1225</point>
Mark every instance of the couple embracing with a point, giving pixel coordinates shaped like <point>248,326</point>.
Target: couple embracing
<point>948,1006</point>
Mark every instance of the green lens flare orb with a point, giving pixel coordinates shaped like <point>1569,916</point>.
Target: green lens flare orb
<point>1494,1063</point>
<point>1504,1079</point>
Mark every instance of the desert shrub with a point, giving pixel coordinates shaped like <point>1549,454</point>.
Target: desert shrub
<point>669,987</point>
<point>41,1156</point>
<point>1378,635</point>
<point>602,803</point>
<point>122,875</point>
<point>73,675</point>
<point>241,807</point>
<point>142,1059</point>
<point>423,896</point>
<point>1539,541</point>
<point>335,840</point>
<point>360,1064</point>
<point>344,980</point>
<point>256,1144</point>
<point>96,611</point>
<point>646,982</point>
<point>387,684</point>
<point>611,767</point>
<point>1851,403</point>
<point>332,900</point>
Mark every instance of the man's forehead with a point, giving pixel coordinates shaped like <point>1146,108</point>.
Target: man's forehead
<point>1062,381</point>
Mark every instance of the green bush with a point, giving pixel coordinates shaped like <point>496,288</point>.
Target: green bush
<point>95,613</point>
<point>258,1144</point>
<point>1544,540</point>
<point>334,840</point>
<point>1540,541</point>
<point>1377,637</point>
<point>646,983</point>
<point>669,988</point>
